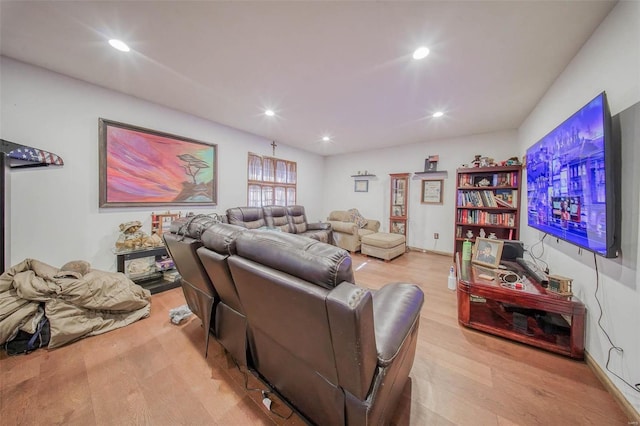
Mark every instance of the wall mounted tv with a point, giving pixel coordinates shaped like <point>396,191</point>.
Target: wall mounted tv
<point>573,181</point>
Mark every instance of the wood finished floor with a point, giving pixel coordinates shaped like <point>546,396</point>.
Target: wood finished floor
<point>154,373</point>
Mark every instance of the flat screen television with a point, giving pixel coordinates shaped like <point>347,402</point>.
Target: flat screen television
<point>573,180</point>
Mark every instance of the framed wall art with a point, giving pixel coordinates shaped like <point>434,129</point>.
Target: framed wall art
<point>142,167</point>
<point>361,185</point>
<point>432,191</point>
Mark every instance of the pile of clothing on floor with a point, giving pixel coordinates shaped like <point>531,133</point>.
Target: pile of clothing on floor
<point>65,304</point>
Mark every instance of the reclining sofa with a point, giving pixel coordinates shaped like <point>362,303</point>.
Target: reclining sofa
<point>337,353</point>
<point>291,219</point>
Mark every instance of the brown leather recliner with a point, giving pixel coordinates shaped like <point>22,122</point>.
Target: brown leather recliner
<point>230,321</point>
<point>182,242</point>
<point>339,353</point>
<point>298,222</point>
<point>247,217</point>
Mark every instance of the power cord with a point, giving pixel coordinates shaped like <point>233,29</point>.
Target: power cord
<point>618,349</point>
<point>266,401</point>
<point>538,258</point>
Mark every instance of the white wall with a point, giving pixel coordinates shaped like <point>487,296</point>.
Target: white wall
<point>54,211</point>
<point>424,219</point>
<point>609,61</point>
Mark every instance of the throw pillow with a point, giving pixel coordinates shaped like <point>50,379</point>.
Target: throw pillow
<point>357,218</point>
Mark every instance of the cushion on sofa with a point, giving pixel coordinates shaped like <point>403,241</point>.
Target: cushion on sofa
<point>299,224</point>
<point>357,218</point>
<point>221,237</point>
<point>194,226</point>
<point>247,217</point>
<point>319,263</point>
<point>276,217</point>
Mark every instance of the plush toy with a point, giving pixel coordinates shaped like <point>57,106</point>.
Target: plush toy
<point>132,238</point>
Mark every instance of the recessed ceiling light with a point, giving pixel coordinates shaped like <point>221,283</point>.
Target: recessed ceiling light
<point>326,138</point>
<point>118,44</point>
<point>438,114</point>
<point>270,113</point>
<point>420,53</point>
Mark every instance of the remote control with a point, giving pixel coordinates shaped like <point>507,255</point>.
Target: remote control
<point>534,271</point>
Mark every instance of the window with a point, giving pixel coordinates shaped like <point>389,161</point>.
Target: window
<point>271,181</point>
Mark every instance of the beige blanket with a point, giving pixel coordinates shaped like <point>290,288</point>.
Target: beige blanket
<point>76,307</point>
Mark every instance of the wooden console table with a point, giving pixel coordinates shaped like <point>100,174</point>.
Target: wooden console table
<point>532,315</point>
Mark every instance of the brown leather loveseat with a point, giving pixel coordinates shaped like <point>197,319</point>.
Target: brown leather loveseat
<point>291,219</point>
<point>336,352</point>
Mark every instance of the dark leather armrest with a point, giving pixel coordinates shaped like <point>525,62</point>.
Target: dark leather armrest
<point>396,310</point>
<point>350,310</point>
<point>319,226</point>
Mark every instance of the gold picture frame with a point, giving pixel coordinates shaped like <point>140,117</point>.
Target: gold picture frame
<point>432,191</point>
<point>143,168</point>
<point>487,252</point>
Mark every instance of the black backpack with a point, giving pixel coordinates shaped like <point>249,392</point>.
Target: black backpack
<point>24,342</point>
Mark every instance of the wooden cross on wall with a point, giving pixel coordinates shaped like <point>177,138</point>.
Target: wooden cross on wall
<point>274,144</point>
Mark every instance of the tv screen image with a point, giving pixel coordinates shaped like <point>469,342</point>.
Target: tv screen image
<point>571,188</point>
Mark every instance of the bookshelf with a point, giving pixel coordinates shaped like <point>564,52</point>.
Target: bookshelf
<point>487,203</point>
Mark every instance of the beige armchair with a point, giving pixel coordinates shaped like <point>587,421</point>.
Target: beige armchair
<point>346,233</point>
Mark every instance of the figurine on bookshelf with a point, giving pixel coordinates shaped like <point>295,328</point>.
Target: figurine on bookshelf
<point>482,234</point>
<point>470,234</point>
<point>512,161</point>
<point>483,182</point>
<point>431,163</point>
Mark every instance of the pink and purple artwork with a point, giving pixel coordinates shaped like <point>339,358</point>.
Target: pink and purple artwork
<point>141,167</point>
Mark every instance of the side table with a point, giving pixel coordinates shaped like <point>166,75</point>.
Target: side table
<point>533,315</point>
<point>152,279</point>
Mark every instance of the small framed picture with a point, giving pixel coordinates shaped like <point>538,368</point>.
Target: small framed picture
<point>488,252</point>
<point>361,185</point>
<point>432,191</point>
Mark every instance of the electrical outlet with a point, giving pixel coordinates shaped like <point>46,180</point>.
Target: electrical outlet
<point>436,235</point>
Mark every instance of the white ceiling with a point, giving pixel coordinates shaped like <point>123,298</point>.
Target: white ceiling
<point>338,68</point>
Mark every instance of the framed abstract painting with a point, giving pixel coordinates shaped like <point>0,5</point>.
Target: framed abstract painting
<point>145,168</point>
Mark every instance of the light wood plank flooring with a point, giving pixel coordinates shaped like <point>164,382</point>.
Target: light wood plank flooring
<point>154,373</point>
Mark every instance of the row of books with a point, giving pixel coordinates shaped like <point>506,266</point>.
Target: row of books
<point>479,217</point>
<point>495,179</point>
<point>498,198</point>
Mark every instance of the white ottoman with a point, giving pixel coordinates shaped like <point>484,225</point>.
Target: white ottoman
<point>383,245</point>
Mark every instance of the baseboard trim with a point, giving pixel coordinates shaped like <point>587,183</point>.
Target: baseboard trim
<point>441,253</point>
<point>628,409</point>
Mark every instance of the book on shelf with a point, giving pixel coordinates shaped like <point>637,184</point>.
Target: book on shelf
<point>507,197</point>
